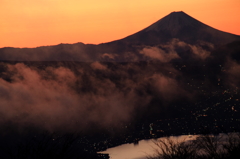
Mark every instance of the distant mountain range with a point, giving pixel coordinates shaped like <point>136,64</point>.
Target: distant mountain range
<point>176,25</point>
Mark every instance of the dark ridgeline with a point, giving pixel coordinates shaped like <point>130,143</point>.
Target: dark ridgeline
<point>183,27</point>
<point>183,75</point>
<point>176,25</point>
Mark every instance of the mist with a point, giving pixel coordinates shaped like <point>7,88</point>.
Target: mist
<point>75,96</point>
<point>57,97</point>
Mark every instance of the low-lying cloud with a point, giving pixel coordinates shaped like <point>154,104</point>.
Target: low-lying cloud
<point>57,98</point>
<point>159,54</point>
<point>73,96</point>
<point>173,49</point>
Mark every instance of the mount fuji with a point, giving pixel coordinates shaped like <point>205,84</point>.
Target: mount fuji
<point>183,27</point>
<point>176,25</point>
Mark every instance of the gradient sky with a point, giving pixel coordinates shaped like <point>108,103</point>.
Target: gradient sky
<point>32,23</point>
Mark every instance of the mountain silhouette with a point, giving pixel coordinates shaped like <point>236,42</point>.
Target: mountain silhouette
<point>176,25</point>
<point>183,27</point>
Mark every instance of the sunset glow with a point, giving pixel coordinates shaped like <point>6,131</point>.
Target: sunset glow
<point>28,23</point>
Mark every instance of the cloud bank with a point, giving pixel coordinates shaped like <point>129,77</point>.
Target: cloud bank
<point>56,98</point>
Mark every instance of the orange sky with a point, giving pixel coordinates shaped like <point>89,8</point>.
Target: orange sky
<point>31,23</point>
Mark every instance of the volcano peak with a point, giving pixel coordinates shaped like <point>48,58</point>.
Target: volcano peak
<point>180,25</point>
<point>177,12</point>
<point>174,21</point>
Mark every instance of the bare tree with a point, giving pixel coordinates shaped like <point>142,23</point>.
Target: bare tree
<point>168,148</point>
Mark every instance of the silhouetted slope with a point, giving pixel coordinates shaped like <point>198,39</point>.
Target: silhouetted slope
<point>176,25</point>
<point>181,26</point>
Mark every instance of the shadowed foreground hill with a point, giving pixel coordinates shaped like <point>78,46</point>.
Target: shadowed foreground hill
<point>78,96</point>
